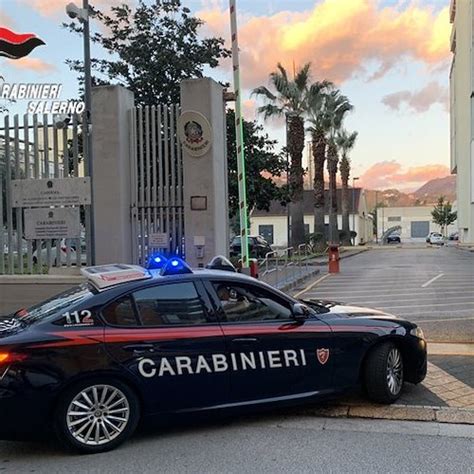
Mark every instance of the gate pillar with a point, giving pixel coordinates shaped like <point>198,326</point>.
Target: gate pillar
<point>202,131</point>
<point>111,182</point>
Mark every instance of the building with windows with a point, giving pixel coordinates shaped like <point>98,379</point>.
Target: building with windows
<point>273,224</point>
<point>462,113</point>
<point>412,223</point>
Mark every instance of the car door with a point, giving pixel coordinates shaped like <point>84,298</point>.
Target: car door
<point>271,354</point>
<point>168,336</point>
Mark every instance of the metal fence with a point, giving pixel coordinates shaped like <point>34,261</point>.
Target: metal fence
<point>285,266</point>
<point>157,181</point>
<point>39,147</point>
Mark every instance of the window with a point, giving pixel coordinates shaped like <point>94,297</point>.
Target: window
<point>58,304</point>
<point>306,230</point>
<point>266,231</point>
<point>120,312</point>
<point>243,303</point>
<point>394,219</point>
<point>173,304</point>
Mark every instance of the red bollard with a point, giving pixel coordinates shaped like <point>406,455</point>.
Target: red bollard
<point>253,264</point>
<point>252,269</point>
<point>334,259</point>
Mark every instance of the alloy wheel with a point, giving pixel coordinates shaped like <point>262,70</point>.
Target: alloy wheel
<point>98,414</point>
<point>394,371</point>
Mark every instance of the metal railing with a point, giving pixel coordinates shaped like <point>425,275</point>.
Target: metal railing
<point>285,266</point>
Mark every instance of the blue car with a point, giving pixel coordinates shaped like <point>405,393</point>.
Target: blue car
<point>132,345</point>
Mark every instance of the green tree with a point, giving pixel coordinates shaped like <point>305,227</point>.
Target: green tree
<point>152,48</point>
<point>345,141</point>
<point>290,101</point>
<point>337,107</point>
<point>443,214</point>
<point>262,164</point>
<point>316,111</point>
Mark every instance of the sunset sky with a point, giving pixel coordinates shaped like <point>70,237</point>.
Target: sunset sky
<point>390,57</point>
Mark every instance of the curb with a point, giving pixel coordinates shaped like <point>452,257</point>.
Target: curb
<point>343,256</point>
<point>397,412</point>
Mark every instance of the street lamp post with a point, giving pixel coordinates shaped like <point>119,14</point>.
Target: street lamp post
<point>82,14</point>
<point>353,207</point>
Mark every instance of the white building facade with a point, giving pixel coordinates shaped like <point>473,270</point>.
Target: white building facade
<point>414,223</point>
<point>462,114</point>
<point>272,225</point>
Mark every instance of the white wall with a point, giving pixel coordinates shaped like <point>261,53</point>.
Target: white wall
<point>407,216</point>
<point>363,226</point>
<point>462,124</point>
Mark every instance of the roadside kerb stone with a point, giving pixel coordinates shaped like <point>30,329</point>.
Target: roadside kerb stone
<point>455,415</point>
<point>395,412</point>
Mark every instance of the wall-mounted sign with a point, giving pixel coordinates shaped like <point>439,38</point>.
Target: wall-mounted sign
<point>51,192</point>
<point>52,223</point>
<point>158,240</point>
<point>195,133</point>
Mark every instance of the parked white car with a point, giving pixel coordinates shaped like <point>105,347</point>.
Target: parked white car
<point>435,238</point>
<point>64,244</point>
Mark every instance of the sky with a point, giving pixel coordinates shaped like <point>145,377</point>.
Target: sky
<point>391,58</point>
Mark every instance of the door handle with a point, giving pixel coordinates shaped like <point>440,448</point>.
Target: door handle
<point>245,340</point>
<point>139,348</point>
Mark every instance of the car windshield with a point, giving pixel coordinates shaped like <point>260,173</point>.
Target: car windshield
<point>55,304</point>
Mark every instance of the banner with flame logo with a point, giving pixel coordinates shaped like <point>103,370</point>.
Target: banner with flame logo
<point>16,46</point>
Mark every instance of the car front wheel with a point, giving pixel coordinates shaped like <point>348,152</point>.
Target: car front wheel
<point>97,416</point>
<point>384,373</point>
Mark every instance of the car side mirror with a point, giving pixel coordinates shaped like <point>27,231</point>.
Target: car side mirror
<point>300,312</point>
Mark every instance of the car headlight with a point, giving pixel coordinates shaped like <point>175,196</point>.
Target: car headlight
<point>417,332</point>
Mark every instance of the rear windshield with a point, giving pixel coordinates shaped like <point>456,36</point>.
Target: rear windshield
<point>56,304</point>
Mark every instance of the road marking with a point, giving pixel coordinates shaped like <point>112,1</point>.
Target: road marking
<point>425,321</point>
<point>386,290</point>
<point>312,285</point>
<point>431,305</point>
<point>432,280</point>
<point>409,298</point>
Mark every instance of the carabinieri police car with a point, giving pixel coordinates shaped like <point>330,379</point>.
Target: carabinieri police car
<point>133,343</point>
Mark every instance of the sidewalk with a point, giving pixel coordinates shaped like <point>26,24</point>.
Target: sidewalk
<point>445,396</point>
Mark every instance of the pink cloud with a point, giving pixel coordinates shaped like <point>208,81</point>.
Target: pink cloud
<point>418,101</point>
<point>339,37</point>
<point>32,64</point>
<point>388,174</point>
<point>56,7</point>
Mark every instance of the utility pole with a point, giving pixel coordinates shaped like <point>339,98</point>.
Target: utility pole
<point>353,208</point>
<point>239,134</point>
<point>82,14</point>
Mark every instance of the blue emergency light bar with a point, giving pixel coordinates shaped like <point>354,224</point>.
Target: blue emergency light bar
<point>175,266</point>
<point>156,262</point>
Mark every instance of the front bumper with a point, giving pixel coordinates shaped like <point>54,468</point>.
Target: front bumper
<point>25,410</point>
<point>415,359</point>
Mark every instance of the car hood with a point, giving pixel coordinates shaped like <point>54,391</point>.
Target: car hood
<point>334,307</point>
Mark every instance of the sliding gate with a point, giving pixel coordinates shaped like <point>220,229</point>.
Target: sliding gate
<point>156,182</point>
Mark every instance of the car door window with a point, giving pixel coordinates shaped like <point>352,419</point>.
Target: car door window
<point>120,312</point>
<point>171,304</point>
<point>242,303</point>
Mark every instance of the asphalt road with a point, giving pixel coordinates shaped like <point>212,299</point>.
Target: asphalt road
<point>273,444</point>
<point>431,286</point>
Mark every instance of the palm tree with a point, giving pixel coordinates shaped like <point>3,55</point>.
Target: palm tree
<point>337,106</point>
<point>290,102</point>
<point>345,142</point>
<point>317,96</point>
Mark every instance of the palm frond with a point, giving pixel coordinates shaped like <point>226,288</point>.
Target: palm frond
<point>302,77</point>
<point>265,92</point>
<point>270,110</point>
